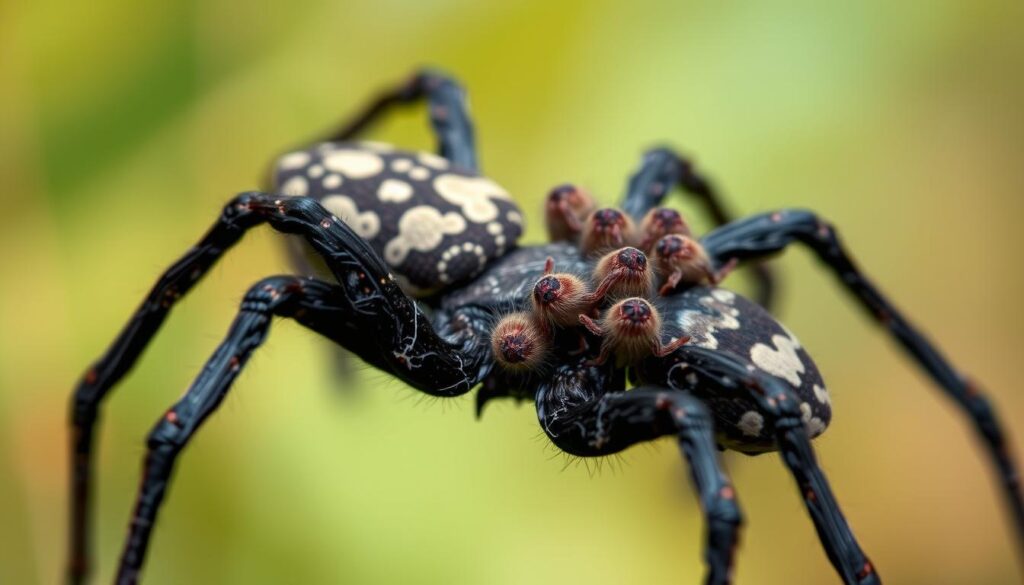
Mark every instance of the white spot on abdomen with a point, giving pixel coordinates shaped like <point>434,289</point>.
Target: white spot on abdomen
<point>822,395</point>
<point>355,164</point>
<point>296,186</point>
<point>472,194</point>
<point>394,191</point>
<point>366,224</point>
<point>782,362</point>
<point>293,160</point>
<point>421,228</point>
<point>751,423</point>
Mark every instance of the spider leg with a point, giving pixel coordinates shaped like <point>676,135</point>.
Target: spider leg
<point>614,421</point>
<point>767,233</point>
<point>775,398</point>
<point>449,115</point>
<point>403,340</point>
<point>660,170</point>
<point>320,306</point>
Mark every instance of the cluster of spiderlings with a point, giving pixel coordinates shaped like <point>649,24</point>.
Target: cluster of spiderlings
<point>615,303</point>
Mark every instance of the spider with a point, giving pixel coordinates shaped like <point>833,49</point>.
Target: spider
<point>616,329</point>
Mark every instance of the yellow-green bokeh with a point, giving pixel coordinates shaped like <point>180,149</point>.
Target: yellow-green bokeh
<point>125,125</point>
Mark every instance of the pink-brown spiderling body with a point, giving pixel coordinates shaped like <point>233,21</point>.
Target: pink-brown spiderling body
<point>560,298</point>
<point>518,342</point>
<point>631,330</point>
<point>659,222</point>
<point>566,209</point>
<point>680,259</point>
<point>607,229</point>
<point>623,273</point>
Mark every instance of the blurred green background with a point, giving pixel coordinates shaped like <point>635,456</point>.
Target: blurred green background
<point>124,126</point>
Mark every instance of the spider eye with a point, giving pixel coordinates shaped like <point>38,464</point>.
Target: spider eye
<point>632,259</point>
<point>635,310</point>
<point>547,289</point>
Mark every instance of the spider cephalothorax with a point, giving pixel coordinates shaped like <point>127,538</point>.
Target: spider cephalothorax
<point>411,261</point>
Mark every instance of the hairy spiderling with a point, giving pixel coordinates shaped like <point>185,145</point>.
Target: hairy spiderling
<point>518,342</point>
<point>680,259</point>
<point>630,330</point>
<point>566,208</point>
<point>560,298</point>
<point>623,273</point>
<point>607,229</point>
<point>661,221</point>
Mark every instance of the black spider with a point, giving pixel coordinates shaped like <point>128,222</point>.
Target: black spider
<point>564,324</point>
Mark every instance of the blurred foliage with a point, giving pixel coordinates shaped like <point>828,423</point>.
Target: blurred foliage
<point>125,125</point>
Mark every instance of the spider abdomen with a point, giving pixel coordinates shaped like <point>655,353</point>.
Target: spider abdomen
<point>433,223</point>
<point>722,320</point>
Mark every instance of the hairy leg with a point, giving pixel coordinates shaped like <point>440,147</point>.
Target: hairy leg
<point>764,234</point>
<point>776,399</point>
<point>449,115</point>
<point>612,422</point>
<point>661,169</point>
<point>412,351</point>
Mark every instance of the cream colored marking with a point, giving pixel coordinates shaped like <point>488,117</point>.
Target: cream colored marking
<point>419,174</point>
<point>421,228</point>
<point>332,181</point>
<point>701,326</point>
<point>515,217</point>
<point>782,362</point>
<point>377,146</point>
<point>394,191</point>
<point>366,224</point>
<point>296,186</point>
<point>293,160</point>
<point>472,194</point>
<point>494,228</point>
<point>401,165</point>
<point>815,426</point>
<point>315,171</point>
<point>724,296</point>
<point>355,164</point>
<point>822,395</point>
<point>751,423</point>
<point>433,161</point>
